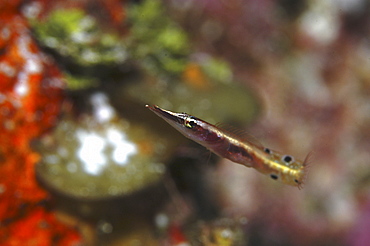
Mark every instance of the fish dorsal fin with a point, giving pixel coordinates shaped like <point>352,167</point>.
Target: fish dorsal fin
<point>241,135</point>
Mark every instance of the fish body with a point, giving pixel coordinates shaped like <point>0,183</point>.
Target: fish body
<point>237,148</point>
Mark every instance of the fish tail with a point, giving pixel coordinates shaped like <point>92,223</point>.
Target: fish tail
<point>306,166</point>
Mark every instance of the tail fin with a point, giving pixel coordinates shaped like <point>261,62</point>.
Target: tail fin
<point>306,165</point>
<point>308,159</point>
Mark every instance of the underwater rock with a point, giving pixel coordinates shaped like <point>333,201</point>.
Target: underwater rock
<point>101,156</point>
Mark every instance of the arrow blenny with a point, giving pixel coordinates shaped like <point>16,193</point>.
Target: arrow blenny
<point>237,148</point>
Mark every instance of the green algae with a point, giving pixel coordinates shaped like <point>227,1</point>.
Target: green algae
<point>75,34</point>
<point>160,45</point>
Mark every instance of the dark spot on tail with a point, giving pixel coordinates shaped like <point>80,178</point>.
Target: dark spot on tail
<point>274,177</point>
<point>267,150</point>
<point>287,158</point>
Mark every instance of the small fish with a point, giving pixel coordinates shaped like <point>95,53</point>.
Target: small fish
<point>237,148</point>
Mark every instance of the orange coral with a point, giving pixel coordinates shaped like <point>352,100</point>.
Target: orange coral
<point>31,94</point>
<point>39,228</point>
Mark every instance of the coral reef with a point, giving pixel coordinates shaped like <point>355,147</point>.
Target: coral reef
<point>82,162</point>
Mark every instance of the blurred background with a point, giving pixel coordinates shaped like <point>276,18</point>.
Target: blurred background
<point>83,162</point>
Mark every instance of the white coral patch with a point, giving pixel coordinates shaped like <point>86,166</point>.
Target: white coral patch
<point>91,152</point>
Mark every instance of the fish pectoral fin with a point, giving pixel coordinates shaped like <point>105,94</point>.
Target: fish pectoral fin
<point>247,164</point>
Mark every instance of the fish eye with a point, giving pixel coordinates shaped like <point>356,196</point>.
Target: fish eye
<point>190,122</point>
<point>274,177</point>
<point>287,158</point>
<point>267,150</point>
